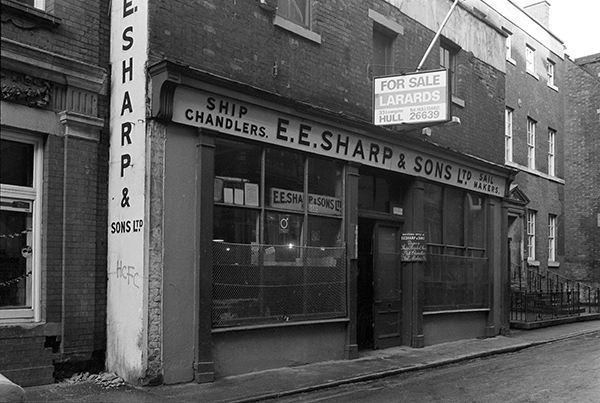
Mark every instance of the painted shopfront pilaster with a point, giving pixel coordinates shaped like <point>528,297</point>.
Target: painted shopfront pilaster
<point>127,313</point>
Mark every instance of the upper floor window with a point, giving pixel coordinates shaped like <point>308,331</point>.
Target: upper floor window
<point>448,55</point>
<point>33,3</point>
<point>551,237</point>
<point>530,59</point>
<point>509,45</point>
<point>508,135</point>
<point>383,62</point>
<point>296,16</point>
<point>550,70</point>
<point>530,143</point>
<point>296,11</point>
<point>531,218</point>
<point>551,155</point>
<point>20,183</point>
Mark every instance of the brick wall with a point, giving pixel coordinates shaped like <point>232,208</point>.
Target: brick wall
<point>71,334</point>
<point>582,156</point>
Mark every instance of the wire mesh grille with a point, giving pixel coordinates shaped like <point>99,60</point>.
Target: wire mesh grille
<point>455,282</point>
<point>261,284</point>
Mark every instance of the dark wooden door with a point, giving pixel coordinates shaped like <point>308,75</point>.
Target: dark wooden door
<point>387,286</point>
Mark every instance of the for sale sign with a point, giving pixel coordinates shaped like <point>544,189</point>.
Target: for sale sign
<point>420,97</point>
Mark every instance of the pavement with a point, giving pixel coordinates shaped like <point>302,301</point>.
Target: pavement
<point>271,384</point>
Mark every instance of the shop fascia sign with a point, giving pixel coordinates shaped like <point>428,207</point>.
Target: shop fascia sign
<point>252,121</point>
<point>293,200</point>
<point>420,97</point>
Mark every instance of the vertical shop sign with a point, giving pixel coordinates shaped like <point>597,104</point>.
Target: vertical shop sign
<point>126,209</point>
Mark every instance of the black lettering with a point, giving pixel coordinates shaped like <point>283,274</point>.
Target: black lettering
<point>418,167</point>
<point>448,174</point>
<point>359,150</point>
<point>262,132</point>
<point>428,167</point>
<point>126,104</point>
<point>210,104</point>
<point>243,111</point>
<point>282,129</point>
<point>340,144</point>
<point>127,39</point>
<point>303,134</point>
<point>128,8</point>
<point>125,162</point>
<point>326,144</point>
<point>374,152</point>
<point>223,107</point>
<point>125,132</point>
<point>439,168</point>
<point>387,154</point>
<point>127,69</point>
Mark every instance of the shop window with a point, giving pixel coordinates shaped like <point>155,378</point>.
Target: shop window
<point>20,180</point>
<point>283,259</point>
<point>456,274</point>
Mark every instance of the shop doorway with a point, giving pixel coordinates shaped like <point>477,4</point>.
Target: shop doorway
<point>379,301</point>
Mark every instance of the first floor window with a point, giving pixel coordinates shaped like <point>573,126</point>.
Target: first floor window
<point>530,59</point>
<point>551,151</point>
<point>278,251</point>
<point>530,143</point>
<point>296,11</point>
<point>551,237</point>
<point>508,135</point>
<point>550,70</point>
<point>531,218</point>
<point>20,179</point>
<point>455,274</point>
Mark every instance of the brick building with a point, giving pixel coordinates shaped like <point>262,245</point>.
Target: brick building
<point>534,134</point>
<point>582,154</point>
<point>259,218</point>
<point>54,132</point>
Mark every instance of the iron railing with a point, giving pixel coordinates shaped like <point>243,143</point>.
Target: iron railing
<point>537,294</point>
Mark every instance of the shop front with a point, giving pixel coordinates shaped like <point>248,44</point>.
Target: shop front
<point>279,234</point>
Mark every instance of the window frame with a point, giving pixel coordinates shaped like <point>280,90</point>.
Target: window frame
<point>551,152</point>
<point>386,40</point>
<point>531,124</point>
<point>34,195</point>
<point>508,135</point>
<point>448,60</point>
<point>530,60</point>
<point>552,223</point>
<point>531,234</point>
<point>551,73</point>
<point>303,30</point>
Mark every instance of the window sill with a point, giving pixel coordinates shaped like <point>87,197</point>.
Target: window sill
<point>457,311</point>
<point>553,87</point>
<point>27,14</point>
<point>534,263</point>
<point>553,264</point>
<point>511,61</point>
<point>532,74</point>
<point>283,324</point>
<point>458,101</point>
<point>535,172</point>
<point>297,29</point>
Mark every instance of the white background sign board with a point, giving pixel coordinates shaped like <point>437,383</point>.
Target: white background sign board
<point>420,97</point>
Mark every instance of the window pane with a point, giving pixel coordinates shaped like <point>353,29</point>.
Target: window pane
<point>237,225</point>
<point>294,10</point>
<point>285,231</point>
<point>16,162</point>
<point>284,179</point>
<point>324,177</point>
<point>323,231</point>
<point>475,221</point>
<point>377,189</point>
<point>433,213</point>
<point>454,220</point>
<point>237,173</point>
<point>15,259</point>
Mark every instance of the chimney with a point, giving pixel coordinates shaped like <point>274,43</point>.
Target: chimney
<point>540,11</point>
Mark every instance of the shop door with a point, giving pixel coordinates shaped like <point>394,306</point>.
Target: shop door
<point>387,286</point>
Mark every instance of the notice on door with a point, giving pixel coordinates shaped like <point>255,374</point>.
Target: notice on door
<point>413,247</point>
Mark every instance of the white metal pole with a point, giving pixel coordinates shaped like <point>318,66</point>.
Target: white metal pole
<point>437,34</point>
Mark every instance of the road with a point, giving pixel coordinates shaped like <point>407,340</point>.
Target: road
<point>562,371</point>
